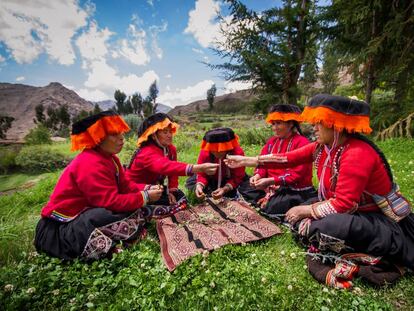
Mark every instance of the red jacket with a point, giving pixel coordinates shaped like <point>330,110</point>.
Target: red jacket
<point>359,169</point>
<point>151,166</point>
<point>233,177</point>
<point>92,179</point>
<point>297,177</point>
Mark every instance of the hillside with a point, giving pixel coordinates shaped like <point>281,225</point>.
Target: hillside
<point>224,103</point>
<point>19,101</point>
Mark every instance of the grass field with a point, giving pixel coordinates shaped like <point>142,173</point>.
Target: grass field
<point>266,275</point>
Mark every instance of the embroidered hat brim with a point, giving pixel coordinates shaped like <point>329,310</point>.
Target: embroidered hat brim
<point>284,112</point>
<point>152,124</point>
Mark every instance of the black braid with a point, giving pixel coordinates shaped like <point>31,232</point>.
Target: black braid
<point>377,150</point>
<point>297,127</point>
<point>133,157</point>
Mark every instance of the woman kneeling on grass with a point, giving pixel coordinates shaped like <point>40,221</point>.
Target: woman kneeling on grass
<point>216,144</point>
<point>93,205</point>
<point>156,159</point>
<point>361,222</point>
<point>285,187</point>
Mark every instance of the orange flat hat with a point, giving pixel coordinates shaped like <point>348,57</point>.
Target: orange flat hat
<point>152,124</point>
<point>91,131</point>
<point>284,112</point>
<point>219,140</point>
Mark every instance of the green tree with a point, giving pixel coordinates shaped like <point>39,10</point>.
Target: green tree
<point>40,114</point>
<point>136,101</point>
<point>330,70</point>
<point>5,125</point>
<point>38,136</point>
<point>269,48</point>
<point>211,95</point>
<point>152,96</point>
<point>96,109</point>
<point>120,101</point>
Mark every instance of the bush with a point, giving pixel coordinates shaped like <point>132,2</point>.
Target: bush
<point>37,159</point>
<point>254,136</point>
<point>134,122</point>
<point>7,159</point>
<point>38,135</point>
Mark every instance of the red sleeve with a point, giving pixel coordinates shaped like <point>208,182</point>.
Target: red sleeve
<point>99,186</point>
<point>173,179</point>
<point>352,179</point>
<point>289,159</point>
<point>296,173</point>
<point>126,185</point>
<point>261,170</point>
<point>237,174</point>
<point>203,157</point>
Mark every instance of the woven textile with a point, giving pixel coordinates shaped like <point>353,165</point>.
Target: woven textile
<point>206,227</point>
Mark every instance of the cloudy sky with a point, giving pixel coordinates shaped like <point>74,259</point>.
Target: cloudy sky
<point>95,47</point>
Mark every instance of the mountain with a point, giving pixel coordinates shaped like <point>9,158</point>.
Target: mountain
<point>227,103</point>
<point>105,104</point>
<point>19,101</point>
<point>163,108</point>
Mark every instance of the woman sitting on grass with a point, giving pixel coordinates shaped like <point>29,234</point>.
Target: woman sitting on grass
<point>360,213</point>
<point>156,159</point>
<point>216,144</point>
<point>285,187</point>
<point>93,205</point>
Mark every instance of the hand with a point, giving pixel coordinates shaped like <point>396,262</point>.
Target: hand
<point>263,183</point>
<point>156,187</point>
<point>297,213</point>
<point>253,180</point>
<point>154,195</point>
<point>171,198</point>
<point>218,193</point>
<point>207,168</point>
<point>199,191</point>
<point>235,161</point>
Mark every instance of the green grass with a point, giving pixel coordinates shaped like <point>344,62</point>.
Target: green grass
<point>14,181</point>
<point>266,275</point>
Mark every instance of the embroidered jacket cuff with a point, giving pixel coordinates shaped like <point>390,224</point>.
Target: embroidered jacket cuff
<point>322,209</point>
<point>145,197</point>
<point>189,170</point>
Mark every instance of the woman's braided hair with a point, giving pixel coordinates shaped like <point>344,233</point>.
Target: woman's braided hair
<point>377,150</point>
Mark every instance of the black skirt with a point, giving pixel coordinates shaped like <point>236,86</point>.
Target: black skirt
<point>285,198</point>
<point>370,233</point>
<point>91,235</point>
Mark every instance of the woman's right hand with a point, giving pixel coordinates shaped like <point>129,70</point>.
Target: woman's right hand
<point>199,191</point>
<point>154,194</point>
<point>254,179</point>
<point>206,168</point>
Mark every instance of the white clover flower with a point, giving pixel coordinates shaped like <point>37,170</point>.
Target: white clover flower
<point>203,263</point>
<point>253,255</point>
<point>91,296</point>
<point>325,290</point>
<point>217,273</point>
<point>212,285</point>
<point>290,287</point>
<point>282,253</point>
<point>205,253</point>
<point>31,290</point>
<point>293,255</point>
<point>328,300</point>
<point>215,308</point>
<point>264,280</point>
<point>305,267</point>
<point>142,265</point>
<point>8,288</point>
<point>357,290</point>
<point>294,280</point>
<point>243,244</point>
<point>72,300</point>
<point>55,292</point>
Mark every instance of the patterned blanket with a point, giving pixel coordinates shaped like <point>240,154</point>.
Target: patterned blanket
<point>209,226</point>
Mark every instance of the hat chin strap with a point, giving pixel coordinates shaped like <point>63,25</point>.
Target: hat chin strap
<point>321,188</point>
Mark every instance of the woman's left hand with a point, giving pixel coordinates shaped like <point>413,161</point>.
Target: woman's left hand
<point>297,213</point>
<point>218,193</point>
<point>172,198</point>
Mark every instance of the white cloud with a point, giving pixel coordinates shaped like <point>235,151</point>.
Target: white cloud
<point>133,47</point>
<point>29,28</point>
<point>150,2</point>
<point>197,51</point>
<point>168,76</point>
<point>185,95</point>
<point>92,44</point>
<point>92,95</point>
<point>202,24</point>
<point>230,87</point>
<point>21,78</point>
<point>155,30</point>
